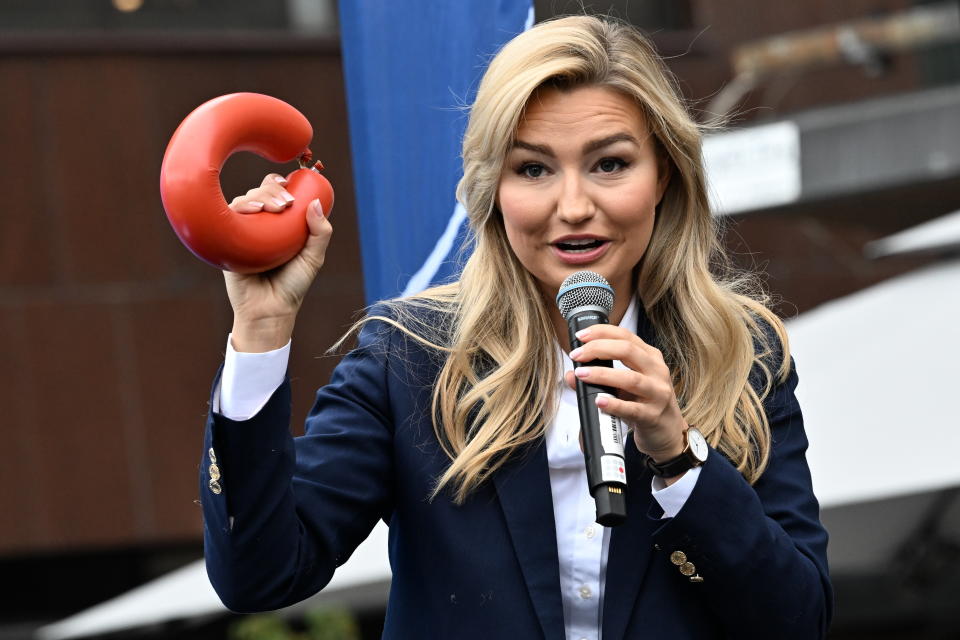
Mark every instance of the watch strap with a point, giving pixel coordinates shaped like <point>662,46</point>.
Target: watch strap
<point>674,466</point>
<point>680,464</point>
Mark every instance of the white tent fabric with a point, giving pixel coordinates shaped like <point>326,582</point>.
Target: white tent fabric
<point>939,234</point>
<point>878,378</point>
<point>878,381</point>
<point>187,593</point>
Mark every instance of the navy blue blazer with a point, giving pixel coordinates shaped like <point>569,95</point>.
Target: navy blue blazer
<point>292,510</point>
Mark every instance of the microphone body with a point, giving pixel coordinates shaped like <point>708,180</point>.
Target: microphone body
<point>601,433</point>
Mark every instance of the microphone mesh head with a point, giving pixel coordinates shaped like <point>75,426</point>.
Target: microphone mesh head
<point>584,289</point>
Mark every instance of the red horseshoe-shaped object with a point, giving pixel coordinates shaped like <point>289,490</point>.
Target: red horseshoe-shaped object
<point>190,182</point>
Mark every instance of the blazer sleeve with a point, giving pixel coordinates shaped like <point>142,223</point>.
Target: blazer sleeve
<point>761,550</point>
<point>286,512</point>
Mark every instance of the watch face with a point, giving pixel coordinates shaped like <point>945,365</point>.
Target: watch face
<point>698,445</point>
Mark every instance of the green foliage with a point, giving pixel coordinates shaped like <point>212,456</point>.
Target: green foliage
<point>326,623</point>
<point>331,624</point>
<point>264,626</point>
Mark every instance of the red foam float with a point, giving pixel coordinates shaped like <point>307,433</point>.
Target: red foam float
<point>190,182</point>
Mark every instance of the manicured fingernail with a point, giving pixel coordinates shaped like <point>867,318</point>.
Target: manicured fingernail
<point>256,203</point>
<point>576,353</point>
<point>280,179</point>
<point>583,333</point>
<point>279,202</point>
<point>315,207</point>
<point>581,372</point>
<point>602,401</point>
<point>286,196</point>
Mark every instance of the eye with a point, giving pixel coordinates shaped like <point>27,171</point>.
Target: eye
<point>609,165</point>
<point>531,170</point>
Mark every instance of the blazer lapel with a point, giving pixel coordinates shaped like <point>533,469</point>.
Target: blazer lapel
<point>523,486</point>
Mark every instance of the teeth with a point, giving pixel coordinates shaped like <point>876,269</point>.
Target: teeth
<point>581,245</point>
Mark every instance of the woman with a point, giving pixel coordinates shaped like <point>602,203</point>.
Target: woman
<point>452,420</point>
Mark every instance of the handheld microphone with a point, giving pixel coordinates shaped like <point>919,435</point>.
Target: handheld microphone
<point>585,299</point>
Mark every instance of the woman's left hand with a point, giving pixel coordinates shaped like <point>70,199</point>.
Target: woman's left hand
<point>645,396</point>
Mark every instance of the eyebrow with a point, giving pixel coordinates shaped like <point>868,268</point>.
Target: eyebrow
<point>589,147</point>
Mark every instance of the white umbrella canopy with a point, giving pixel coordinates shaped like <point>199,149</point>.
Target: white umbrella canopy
<point>939,234</point>
<point>878,386</point>
<point>878,382</point>
<point>186,593</point>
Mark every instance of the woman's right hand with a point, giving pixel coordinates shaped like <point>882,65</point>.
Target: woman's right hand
<point>265,305</point>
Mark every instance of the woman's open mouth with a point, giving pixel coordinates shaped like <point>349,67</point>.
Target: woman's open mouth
<point>580,250</point>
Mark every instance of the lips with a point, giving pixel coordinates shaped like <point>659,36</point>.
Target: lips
<point>585,244</point>
<point>579,249</point>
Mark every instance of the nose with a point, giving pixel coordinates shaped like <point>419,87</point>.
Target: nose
<point>574,204</point>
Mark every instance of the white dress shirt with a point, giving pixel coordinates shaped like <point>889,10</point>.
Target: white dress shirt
<point>582,544</point>
<point>249,379</point>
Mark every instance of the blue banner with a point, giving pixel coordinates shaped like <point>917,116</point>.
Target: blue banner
<point>411,69</point>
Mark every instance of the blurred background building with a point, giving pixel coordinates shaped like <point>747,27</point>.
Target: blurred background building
<point>110,331</point>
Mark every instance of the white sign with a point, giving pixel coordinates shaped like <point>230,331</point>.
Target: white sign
<point>753,168</point>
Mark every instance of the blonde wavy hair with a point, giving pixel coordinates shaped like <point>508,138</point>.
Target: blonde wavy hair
<point>497,387</point>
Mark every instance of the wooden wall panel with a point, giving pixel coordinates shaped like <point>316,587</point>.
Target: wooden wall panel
<point>105,191</point>
<point>22,463</point>
<point>111,329</point>
<point>77,422</point>
<point>29,254</point>
<point>170,410</point>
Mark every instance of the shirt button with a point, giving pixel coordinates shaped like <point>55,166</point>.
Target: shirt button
<point>585,592</point>
<point>590,532</point>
